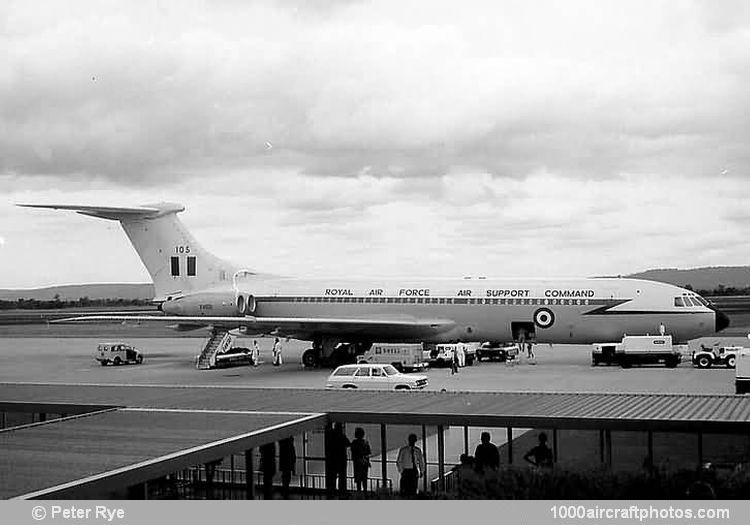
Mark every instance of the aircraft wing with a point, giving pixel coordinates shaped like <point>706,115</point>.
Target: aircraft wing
<point>295,327</point>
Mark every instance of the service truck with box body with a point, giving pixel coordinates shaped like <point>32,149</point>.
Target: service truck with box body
<point>637,350</point>
<point>407,357</point>
<point>117,354</point>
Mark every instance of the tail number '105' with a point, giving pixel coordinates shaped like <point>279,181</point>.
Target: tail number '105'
<point>182,249</point>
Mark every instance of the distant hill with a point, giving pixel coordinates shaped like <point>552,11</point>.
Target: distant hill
<point>708,278</point>
<point>74,292</point>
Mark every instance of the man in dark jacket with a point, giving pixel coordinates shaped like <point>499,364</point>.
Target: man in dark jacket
<point>486,456</point>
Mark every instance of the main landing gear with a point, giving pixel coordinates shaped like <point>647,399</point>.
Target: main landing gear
<point>331,352</point>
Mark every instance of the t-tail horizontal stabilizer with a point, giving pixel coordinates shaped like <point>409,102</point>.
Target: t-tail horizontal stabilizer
<point>150,211</point>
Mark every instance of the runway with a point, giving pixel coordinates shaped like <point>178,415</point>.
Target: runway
<point>560,368</point>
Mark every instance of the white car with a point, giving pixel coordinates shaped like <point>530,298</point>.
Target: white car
<point>374,377</point>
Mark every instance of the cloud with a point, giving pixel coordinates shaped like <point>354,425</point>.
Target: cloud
<point>152,92</point>
<point>541,225</point>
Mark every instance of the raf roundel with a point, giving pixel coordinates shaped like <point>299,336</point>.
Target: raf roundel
<point>544,318</point>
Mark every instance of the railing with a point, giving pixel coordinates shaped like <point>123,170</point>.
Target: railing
<point>310,485</point>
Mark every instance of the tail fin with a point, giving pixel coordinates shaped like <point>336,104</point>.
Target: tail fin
<point>176,262</point>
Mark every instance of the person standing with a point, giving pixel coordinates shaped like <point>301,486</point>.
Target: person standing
<point>256,353</point>
<point>360,458</point>
<point>541,454</point>
<point>454,361</point>
<point>287,462</point>
<point>410,463</point>
<point>340,445</point>
<point>268,467</point>
<point>461,353</point>
<point>486,455</point>
<point>276,351</point>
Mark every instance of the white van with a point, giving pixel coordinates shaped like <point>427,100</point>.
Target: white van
<point>117,354</point>
<point>403,357</point>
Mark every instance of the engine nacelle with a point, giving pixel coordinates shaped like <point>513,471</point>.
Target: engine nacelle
<point>206,304</point>
<point>246,304</point>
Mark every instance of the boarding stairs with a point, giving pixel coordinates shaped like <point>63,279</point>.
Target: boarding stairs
<point>220,341</point>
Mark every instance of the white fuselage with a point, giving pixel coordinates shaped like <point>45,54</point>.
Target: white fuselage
<point>547,310</point>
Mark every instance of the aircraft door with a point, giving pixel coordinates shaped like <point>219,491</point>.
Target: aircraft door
<point>522,331</point>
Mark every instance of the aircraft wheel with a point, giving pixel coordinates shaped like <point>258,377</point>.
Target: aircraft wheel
<point>704,362</point>
<point>731,361</point>
<point>309,358</point>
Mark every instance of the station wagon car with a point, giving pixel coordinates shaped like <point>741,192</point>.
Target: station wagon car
<point>374,377</point>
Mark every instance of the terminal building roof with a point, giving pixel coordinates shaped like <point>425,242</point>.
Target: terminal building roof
<point>181,426</point>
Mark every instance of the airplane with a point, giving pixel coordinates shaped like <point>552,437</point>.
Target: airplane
<point>195,289</point>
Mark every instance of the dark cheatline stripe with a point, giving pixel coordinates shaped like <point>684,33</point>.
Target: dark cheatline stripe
<point>604,303</point>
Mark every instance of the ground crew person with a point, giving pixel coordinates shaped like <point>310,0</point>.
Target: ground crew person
<point>255,353</point>
<point>276,352</point>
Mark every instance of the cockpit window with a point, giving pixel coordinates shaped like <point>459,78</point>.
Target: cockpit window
<point>695,301</point>
<point>678,301</point>
<point>701,300</point>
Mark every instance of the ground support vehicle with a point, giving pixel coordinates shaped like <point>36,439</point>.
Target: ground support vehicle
<point>637,350</point>
<point>235,356</point>
<point>374,377</point>
<point>497,351</point>
<point>742,372</point>
<point>441,355</point>
<point>117,354</point>
<point>408,357</point>
<point>706,357</point>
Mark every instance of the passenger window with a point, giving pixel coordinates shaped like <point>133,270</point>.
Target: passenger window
<point>363,372</point>
<point>175,266</point>
<point>376,372</point>
<point>191,266</point>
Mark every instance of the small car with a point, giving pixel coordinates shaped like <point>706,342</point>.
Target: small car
<point>497,351</point>
<point>442,354</point>
<point>117,354</point>
<point>374,377</point>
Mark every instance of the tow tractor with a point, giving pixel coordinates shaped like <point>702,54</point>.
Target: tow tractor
<point>716,356</point>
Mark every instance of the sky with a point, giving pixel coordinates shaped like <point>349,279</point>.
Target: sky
<point>422,138</point>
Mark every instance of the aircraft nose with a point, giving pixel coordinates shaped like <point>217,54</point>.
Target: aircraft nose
<point>722,320</point>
